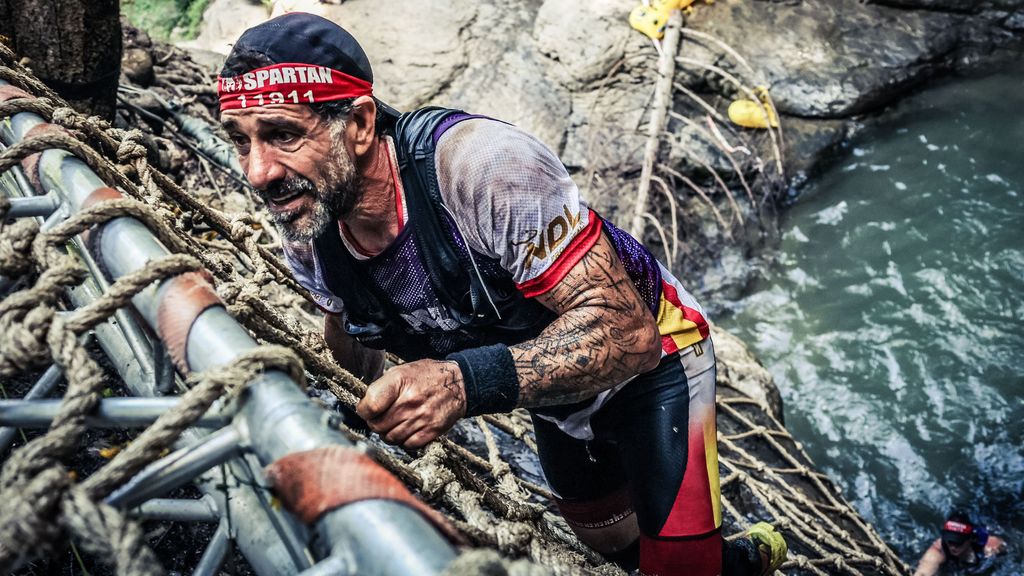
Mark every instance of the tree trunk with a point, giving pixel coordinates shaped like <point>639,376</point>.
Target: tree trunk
<point>74,46</point>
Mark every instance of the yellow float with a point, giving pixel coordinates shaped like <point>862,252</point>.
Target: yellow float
<point>750,114</point>
<point>651,19</point>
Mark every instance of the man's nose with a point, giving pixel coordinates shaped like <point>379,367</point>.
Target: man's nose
<point>263,167</point>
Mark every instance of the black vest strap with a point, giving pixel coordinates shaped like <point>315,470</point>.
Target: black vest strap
<point>414,146</point>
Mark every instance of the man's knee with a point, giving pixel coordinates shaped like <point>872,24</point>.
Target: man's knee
<point>606,524</point>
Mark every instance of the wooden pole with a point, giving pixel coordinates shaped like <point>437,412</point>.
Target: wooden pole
<point>659,115</point>
<point>73,46</point>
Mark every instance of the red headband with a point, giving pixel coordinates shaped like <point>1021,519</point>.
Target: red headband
<point>289,83</point>
<point>958,527</point>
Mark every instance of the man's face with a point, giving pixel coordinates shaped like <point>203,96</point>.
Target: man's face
<point>958,548</point>
<point>298,163</point>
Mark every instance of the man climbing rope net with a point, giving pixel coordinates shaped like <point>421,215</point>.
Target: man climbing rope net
<point>460,243</point>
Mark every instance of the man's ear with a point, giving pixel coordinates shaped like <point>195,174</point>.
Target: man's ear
<point>362,125</point>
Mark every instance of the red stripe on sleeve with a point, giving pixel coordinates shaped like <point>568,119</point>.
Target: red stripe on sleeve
<point>572,254</point>
<point>668,345</point>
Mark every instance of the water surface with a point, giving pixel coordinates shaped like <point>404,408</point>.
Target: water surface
<point>893,319</point>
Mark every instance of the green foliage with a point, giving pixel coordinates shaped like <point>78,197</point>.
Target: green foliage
<point>166,19</point>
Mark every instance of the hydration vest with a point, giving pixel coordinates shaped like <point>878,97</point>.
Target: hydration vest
<point>483,300</point>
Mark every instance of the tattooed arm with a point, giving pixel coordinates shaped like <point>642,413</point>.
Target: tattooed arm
<point>604,334</point>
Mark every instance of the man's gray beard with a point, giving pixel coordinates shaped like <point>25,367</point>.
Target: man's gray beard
<point>341,192</point>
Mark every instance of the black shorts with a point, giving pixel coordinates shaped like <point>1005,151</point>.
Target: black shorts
<point>656,437</point>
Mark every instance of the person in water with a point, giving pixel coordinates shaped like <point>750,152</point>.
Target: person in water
<point>963,545</point>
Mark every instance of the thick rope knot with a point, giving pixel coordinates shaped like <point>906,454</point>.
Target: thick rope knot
<point>130,148</point>
<point>27,522</point>
<point>263,277</point>
<point>23,338</point>
<point>15,247</point>
<point>67,117</point>
<point>245,300</point>
<point>221,265</point>
<point>433,474</point>
<point>240,228</point>
<point>228,291</point>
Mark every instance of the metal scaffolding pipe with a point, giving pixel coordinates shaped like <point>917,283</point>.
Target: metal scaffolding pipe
<point>177,469</point>
<point>279,418</point>
<point>332,566</point>
<point>40,389</point>
<point>215,553</point>
<point>111,413</point>
<point>178,510</point>
<point>31,206</point>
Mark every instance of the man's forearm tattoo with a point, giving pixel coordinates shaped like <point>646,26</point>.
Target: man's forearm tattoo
<point>603,335</point>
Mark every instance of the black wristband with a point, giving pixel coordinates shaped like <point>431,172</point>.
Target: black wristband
<point>489,376</point>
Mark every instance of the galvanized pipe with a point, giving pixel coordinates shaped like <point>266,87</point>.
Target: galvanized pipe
<point>140,345</point>
<point>371,530</point>
<point>112,340</point>
<point>111,413</point>
<point>32,206</point>
<point>272,541</point>
<point>336,565</point>
<point>177,469</point>
<point>40,389</point>
<point>215,553</point>
<point>178,510</point>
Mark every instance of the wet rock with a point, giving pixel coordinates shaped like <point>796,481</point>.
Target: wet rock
<point>416,49</point>
<point>951,5</point>
<point>137,65</point>
<point>832,59</point>
<point>602,130</point>
<point>582,79</point>
<point>811,142</point>
<point>740,370</point>
<point>583,45</point>
<point>506,75</point>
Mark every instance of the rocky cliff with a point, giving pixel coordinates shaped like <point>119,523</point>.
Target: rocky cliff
<point>582,80</point>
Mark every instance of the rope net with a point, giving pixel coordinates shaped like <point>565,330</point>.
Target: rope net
<point>218,225</point>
